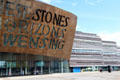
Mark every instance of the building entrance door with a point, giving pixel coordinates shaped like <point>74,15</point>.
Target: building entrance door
<point>2,71</point>
<point>46,67</point>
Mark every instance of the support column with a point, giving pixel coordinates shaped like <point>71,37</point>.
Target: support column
<point>41,70</point>
<point>62,66</point>
<point>6,71</point>
<point>10,72</point>
<point>35,70</point>
<point>49,67</point>
<point>41,66</point>
<point>21,71</point>
<point>26,68</point>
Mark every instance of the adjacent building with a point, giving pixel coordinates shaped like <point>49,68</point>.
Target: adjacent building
<point>111,55</point>
<point>91,52</point>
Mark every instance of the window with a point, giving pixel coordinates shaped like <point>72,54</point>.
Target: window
<point>2,64</point>
<point>85,50</point>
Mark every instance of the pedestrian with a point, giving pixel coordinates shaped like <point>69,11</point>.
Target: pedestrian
<point>109,68</point>
<point>101,70</point>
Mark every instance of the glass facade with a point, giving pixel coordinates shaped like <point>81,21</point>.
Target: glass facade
<point>13,64</point>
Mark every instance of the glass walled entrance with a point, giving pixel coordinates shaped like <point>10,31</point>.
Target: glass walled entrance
<point>13,64</point>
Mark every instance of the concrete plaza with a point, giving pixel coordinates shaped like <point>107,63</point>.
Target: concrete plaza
<point>71,76</point>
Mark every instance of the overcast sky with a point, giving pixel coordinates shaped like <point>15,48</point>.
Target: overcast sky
<point>94,16</point>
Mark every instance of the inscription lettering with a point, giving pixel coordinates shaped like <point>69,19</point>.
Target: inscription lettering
<point>9,38</point>
<point>1,7</point>
<point>49,17</point>
<point>30,27</point>
<point>10,25</point>
<point>22,43</point>
<point>0,22</point>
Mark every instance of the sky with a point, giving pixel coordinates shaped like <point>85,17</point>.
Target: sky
<point>101,17</point>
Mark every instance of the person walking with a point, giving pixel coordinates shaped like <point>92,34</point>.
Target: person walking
<point>100,70</point>
<point>109,68</point>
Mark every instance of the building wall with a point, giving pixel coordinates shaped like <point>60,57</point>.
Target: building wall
<point>87,50</point>
<point>90,50</point>
<point>110,56</point>
<point>118,54</point>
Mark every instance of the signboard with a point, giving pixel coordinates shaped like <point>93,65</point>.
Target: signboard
<point>28,26</point>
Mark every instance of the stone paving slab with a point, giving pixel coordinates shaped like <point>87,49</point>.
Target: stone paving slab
<point>71,76</point>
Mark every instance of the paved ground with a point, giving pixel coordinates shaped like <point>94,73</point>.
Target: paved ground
<point>71,76</point>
